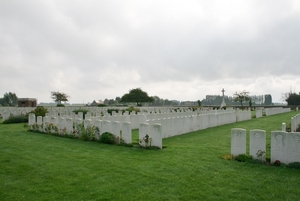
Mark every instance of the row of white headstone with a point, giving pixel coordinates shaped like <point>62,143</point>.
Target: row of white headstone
<point>185,124</point>
<point>121,130</point>
<point>295,122</point>
<point>6,112</point>
<point>273,111</point>
<point>285,147</point>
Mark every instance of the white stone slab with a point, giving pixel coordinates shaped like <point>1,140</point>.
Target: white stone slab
<point>279,146</point>
<point>156,135</point>
<point>126,132</point>
<point>293,148</point>
<point>238,141</point>
<point>31,119</point>
<point>257,142</point>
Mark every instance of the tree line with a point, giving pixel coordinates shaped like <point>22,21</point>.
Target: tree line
<point>140,97</point>
<point>9,99</point>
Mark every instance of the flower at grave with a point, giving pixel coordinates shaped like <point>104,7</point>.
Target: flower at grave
<point>261,153</point>
<point>277,163</point>
<point>145,141</point>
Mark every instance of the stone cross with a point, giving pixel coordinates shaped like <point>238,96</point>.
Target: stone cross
<point>223,92</point>
<point>223,102</point>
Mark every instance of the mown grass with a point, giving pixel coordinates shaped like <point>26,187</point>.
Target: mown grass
<point>44,167</point>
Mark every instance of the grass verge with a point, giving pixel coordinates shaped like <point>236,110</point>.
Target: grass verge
<point>44,167</point>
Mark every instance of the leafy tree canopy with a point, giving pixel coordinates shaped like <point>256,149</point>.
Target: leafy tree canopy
<point>59,97</point>
<point>137,96</point>
<point>9,99</point>
<point>292,98</point>
<point>241,97</point>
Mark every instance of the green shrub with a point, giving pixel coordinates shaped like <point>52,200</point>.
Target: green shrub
<point>101,105</point>
<point>40,111</point>
<point>244,158</point>
<point>288,127</point>
<point>16,119</point>
<point>107,138</point>
<point>298,129</point>
<point>111,110</point>
<point>132,109</point>
<point>81,110</point>
<point>60,105</point>
<point>295,165</point>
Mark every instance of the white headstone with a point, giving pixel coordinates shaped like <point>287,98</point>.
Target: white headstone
<point>257,142</point>
<point>238,141</point>
<point>31,119</point>
<point>106,127</point>
<point>143,130</point>
<point>87,123</point>
<point>156,135</point>
<point>283,127</point>
<point>5,115</point>
<point>279,146</point>
<point>116,129</point>
<point>40,123</point>
<point>98,125</point>
<point>69,125</point>
<point>126,132</point>
<point>293,148</point>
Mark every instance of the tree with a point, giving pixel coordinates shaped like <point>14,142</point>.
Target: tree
<point>9,99</point>
<point>199,103</point>
<point>241,97</point>
<point>268,99</point>
<point>292,98</point>
<point>138,96</point>
<point>118,99</point>
<point>59,97</point>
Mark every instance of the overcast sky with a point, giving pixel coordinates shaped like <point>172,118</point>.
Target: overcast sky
<point>177,50</point>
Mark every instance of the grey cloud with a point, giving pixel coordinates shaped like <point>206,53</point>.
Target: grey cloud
<point>111,46</point>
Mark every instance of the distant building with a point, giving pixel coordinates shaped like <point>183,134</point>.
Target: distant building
<point>27,102</point>
<point>95,103</point>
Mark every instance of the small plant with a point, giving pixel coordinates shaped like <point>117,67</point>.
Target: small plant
<point>51,128</point>
<point>262,155</point>
<point>89,133</point>
<point>63,131</point>
<point>298,129</point>
<point>107,138</point>
<point>227,157</point>
<point>145,141</point>
<point>16,119</point>
<point>36,127</point>
<point>81,110</point>
<point>39,111</point>
<point>295,165</point>
<point>277,163</point>
<point>26,127</point>
<point>132,109</point>
<point>288,127</point>
<point>243,158</point>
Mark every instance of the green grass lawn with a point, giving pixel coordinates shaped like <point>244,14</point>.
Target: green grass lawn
<point>44,167</point>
